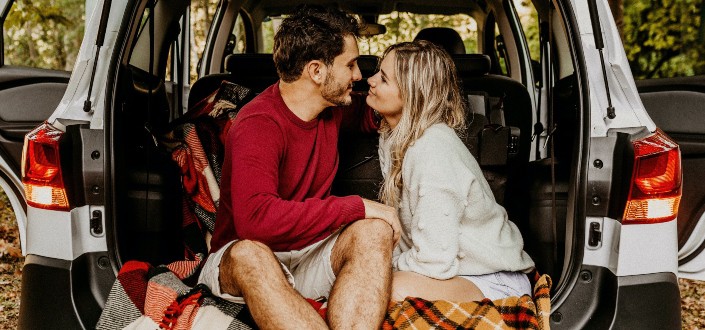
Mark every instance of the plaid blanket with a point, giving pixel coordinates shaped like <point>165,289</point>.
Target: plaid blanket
<point>197,145</point>
<point>510,313</point>
<point>146,297</point>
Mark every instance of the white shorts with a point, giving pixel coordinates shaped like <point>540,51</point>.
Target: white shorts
<point>501,285</point>
<point>309,270</point>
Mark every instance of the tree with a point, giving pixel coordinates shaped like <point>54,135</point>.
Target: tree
<point>664,38</point>
<point>44,33</point>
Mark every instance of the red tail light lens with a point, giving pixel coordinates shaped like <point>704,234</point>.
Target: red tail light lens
<point>41,169</point>
<point>655,192</point>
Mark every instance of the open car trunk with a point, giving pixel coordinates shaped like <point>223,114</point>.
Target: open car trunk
<point>537,191</point>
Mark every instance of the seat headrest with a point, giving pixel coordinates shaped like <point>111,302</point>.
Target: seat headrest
<point>368,65</point>
<point>447,38</point>
<point>469,65</point>
<point>259,64</point>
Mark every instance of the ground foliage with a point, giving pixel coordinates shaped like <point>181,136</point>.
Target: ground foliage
<point>11,261</point>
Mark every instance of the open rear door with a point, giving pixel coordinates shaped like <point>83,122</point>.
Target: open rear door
<point>28,96</point>
<point>677,106</point>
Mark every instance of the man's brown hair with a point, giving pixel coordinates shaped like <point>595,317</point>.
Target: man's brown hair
<point>311,33</point>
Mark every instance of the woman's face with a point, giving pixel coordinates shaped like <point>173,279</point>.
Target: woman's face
<point>384,95</point>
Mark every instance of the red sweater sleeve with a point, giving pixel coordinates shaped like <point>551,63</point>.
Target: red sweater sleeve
<point>259,213</point>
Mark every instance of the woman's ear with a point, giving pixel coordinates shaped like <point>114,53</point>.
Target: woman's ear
<point>316,71</point>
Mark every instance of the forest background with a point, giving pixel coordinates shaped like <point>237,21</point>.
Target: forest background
<point>662,38</point>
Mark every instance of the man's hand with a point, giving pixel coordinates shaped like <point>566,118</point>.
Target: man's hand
<point>374,210</point>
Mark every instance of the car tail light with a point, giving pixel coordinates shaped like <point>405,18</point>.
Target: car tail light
<point>655,192</point>
<point>41,169</point>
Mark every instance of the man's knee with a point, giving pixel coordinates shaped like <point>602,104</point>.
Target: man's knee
<point>370,233</point>
<point>245,252</point>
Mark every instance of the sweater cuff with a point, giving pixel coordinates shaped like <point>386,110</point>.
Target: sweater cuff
<point>351,209</point>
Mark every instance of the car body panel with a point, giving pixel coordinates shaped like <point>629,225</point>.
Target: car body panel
<point>676,105</point>
<point>20,112</point>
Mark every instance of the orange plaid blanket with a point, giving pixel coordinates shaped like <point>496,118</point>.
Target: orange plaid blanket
<point>510,313</point>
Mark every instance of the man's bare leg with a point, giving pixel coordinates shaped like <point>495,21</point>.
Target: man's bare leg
<point>361,261</point>
<point>250,269</point>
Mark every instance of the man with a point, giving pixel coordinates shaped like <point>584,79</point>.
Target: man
<point>281,158</point>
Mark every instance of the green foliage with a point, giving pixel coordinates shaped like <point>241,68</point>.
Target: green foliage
<point>664,38</point>
<point>44,33</point>
<point>403,26</point>
<point>530,24</point>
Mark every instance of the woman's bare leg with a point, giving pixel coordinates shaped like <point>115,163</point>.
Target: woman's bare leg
<point>410,284</point>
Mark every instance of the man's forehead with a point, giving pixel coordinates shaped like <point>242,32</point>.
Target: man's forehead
<point>350,49</point>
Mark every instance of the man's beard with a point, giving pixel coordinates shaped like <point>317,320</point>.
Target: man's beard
<point>335,93</point>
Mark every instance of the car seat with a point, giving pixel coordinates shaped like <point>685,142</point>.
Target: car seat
<point>445,37</point>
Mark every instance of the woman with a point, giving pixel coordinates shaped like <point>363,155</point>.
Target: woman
<point>457,243</point>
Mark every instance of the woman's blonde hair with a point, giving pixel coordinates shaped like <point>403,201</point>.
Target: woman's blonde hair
<point>428,84</point>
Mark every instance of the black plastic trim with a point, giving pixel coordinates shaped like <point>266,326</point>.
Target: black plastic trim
<point>62,294</point>
<point>648,302</point>
<point>577,195</point>
<point>602,300</point>
<point>591,303</point>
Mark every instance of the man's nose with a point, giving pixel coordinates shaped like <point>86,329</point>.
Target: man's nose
<point>357,75</point>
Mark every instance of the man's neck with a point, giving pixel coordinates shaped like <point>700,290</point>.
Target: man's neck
<point>303,99</point>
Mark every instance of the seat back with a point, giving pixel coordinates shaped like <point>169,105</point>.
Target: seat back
<point>447,38</point>
<point>499,127</point>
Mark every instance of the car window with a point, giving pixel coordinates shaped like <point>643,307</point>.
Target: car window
<point>401,26</point>
<point>43,34</point>
<point>201,17</point>
<point>530,25</point>
<point>500,49</point>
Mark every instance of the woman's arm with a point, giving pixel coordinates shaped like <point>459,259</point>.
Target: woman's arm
<point>437,202</point>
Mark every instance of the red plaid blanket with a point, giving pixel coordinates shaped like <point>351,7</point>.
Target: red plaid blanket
<point>197,145</point>
<point>146,297</point>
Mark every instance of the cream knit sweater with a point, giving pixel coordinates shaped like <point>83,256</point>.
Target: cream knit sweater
<point>451,222</point>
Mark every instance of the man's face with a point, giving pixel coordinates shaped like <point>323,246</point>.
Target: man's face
<point>341,74</point>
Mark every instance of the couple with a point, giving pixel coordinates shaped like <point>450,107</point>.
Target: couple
<point>280,236</point>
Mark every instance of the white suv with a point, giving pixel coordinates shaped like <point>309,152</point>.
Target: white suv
<point>565,141</point>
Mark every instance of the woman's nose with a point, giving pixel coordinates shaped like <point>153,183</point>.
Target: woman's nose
<point>371,81</point>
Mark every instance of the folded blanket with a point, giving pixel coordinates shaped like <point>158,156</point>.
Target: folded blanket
<point>146,297</point>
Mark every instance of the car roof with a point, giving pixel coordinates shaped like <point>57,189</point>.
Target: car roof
<point>370,7</point>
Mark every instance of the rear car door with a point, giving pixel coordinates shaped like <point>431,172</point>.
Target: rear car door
<point>677,106</point>
<point>28,95</point>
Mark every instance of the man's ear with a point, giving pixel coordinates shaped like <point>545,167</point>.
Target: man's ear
<point>316,70</point>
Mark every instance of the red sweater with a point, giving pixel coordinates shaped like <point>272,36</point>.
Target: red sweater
<point>278,171</point>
